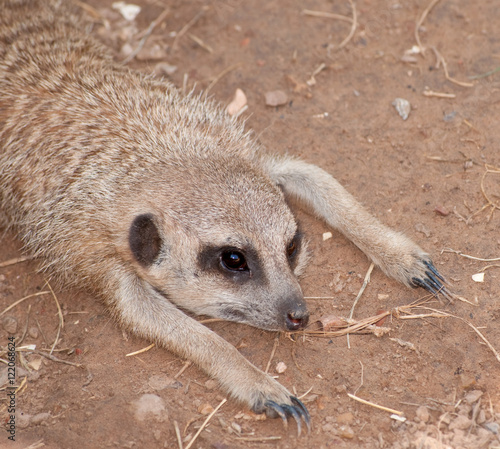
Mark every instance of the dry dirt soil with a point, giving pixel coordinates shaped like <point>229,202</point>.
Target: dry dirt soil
<point>434,176</point>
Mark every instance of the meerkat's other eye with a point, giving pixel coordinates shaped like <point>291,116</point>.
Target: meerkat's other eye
<point>292,248</point>
<point>233,261</point>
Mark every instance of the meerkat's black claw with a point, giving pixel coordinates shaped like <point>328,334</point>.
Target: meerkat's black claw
<point>433,281</point>
<point>431,267</point>
<point>297,411</point>
<point>290,410</point>
<point>278,410</point>
<point>302,411</point>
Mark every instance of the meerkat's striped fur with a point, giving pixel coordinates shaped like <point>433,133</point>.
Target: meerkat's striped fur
<point>161,203</point>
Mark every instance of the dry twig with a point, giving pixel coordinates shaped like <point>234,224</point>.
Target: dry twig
<point>140,351</point>
<point>276,342</point>
<point>218,77</point>
<point>188,25</point>
<point>353,27</point>
<point>420,22</point>
<point>326,15</point>
<point>361,290</point>
<point>14,261</point>
<point>21,300</point>
<point>61,318</point>
<point>178,434</point>
<point>431,93</point>
<point>460,253</point>
<point>209,417</point>
<point>145,35</point>
<point>447,75</point>
<point>372,404</point>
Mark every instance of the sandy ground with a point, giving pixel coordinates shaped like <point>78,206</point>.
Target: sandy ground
<point>432,176</point>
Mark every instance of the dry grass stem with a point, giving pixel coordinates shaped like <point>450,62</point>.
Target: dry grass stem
<point>362,289</point>
<point>474,328</point>
<point>145,35</point>
<point>486,74</point>
<point>201,43</point>
<point>362,379</point>
<point>467,256</point>
<point>14,261</point>
<point>431,93</point>
<point>371,404</point>
<point>188,25</point>
<point>275,345</point>
<point>178,434</point>
<point>419,23</point>
<point>140,351</point>
<point>218,77</point>
<point>36,445</point>
<point>491,203</point>
<point>61,318</point>
<point>353,27</point>
<point>446,73</point>
<point>19,301</point>
<point>209,417</point>
<point>258,439</point>
<point>326,15</point>
<point>305,394</point>
<point>56,359</point>
<point>92,12</point>
<point>367,325</point>
<point>184,368</point>
<point>487,267</point>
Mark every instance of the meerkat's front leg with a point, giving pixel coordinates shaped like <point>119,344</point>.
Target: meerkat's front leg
<point>150,315</point>
<point>397,256</point>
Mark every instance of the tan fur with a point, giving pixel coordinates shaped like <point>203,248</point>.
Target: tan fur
<point>87,145</point>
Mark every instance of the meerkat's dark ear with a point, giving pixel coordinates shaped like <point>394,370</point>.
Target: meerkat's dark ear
<point>144,239</point>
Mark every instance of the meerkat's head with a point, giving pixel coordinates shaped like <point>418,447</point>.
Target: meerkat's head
<point>217,238</point>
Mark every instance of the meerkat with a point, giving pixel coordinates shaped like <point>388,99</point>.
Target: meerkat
<point>160,203</point>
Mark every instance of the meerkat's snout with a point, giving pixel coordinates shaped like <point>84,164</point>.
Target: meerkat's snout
<point>295,313</point>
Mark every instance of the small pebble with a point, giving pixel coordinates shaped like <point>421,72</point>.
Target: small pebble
<point>422,413</point>
<point>150,406</point>
<point>493,427</point>
<point>345,418</point>
<point>238,103</point>
<point>281,367</point>
<point>346,432</point>
<point>10,324</point>
<point>205,409</point>
<point>160,382</point>
<point>327,235</point>
<point>420,227</point>
<point>441,210</point>
<point>33,332</point>
<point>473,396</point>
<point>478,277</point>
<point>461,422</point>
<point>403,107</point>
<point>276,98</point>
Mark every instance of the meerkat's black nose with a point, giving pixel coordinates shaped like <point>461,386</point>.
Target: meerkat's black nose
<point>296,314</point>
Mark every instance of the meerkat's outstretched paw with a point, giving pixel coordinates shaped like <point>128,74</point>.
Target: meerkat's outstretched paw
<point>432,281</point>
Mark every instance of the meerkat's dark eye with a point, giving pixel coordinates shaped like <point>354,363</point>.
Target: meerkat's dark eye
<point>233,261</point>
<point>292,249</point>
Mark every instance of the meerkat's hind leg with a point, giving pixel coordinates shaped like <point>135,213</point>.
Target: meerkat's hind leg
<point>398,256</point>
